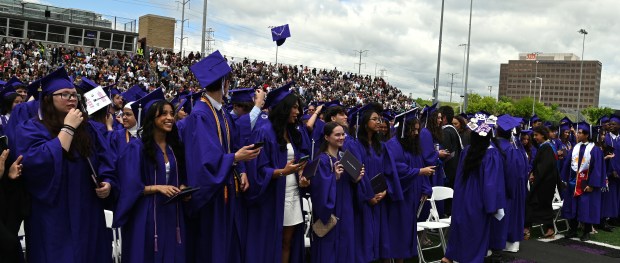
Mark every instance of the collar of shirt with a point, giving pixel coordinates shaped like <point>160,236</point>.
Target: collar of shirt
<point>217,105</point>
<point>613,136</point>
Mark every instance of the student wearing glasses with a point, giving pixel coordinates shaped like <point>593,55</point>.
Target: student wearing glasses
<point>68,172</point>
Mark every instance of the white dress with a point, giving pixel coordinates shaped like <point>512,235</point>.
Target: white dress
<point>292,204</point>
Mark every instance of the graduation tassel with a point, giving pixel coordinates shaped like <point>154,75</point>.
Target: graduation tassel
<point>225,194</point>
<point>402,132</point>
<point>357,124</point>
<point>139,113</point>
<point>156,250</point>
<point>178,233</point>
<point>312,153</point>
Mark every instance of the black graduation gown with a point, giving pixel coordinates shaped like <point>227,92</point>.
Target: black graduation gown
<point>539,199</point>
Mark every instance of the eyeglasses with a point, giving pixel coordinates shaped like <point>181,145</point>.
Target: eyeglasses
<point>377,120</point>
<point>68,96</point>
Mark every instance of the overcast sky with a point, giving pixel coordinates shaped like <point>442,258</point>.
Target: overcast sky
<point>401,36</point>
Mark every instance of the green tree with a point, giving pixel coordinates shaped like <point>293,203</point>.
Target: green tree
<point>593,114</point>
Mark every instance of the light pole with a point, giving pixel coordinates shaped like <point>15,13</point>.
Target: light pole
<point>530,87</point>
<point>471,5</point>
<point>490,88</point>
<point>464,53</point>
<point>436,90</point>
<point>583,45</point>
<point>540,90</point>
<point>534,98</point>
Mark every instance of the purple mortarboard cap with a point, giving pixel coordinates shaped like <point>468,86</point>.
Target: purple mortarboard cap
<point>584,126</point>
<point>507,122</point>
<point>87,85</point>
<point>602,120</point>
<point>534,119</point>
<point>134,93</point>
<point>141,106</point>
<point>55,81</point>
<point>565,126</point>
<point>34,89</point>
<point>402,118</point>
<point>388,115</point>
<point>277,95</point>
<point>210,69</point>
<point>241,95</point>
<point>566,120</point>
<point>615,118</point>
<point>332,104</point>
<point>279,34</point>
<point>7,90</point>
<point>189,101</point>
<point>305,117</point>
<point>464,115</point>
<point>548,124</point>
<point>527,132</point>
<point>13,82</point>
<point>111,90</point>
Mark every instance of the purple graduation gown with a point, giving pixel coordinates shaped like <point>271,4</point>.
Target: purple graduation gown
<point>431,158</point>
<point>371,222</point>
<point>213,232</point>
<point>118,141</point>
<point>475,202</point>
<point>516,176</point>
<point>331,196</point>
<point>611,203</point>
<point>401,215</point>
<point>67,223</point>
<point>141,217</point>
<point>585,208</point>
<point>264,200</point>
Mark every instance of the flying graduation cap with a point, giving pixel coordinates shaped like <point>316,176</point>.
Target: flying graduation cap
<point>279,34</point>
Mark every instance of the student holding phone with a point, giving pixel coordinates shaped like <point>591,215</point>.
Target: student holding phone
<point>332,199</point>
<point>274,191</point>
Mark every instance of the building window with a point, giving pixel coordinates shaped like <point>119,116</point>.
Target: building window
<point>16,28</point>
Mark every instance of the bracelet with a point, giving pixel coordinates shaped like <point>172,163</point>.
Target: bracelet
<point>67,131</point>
<point>69,127</point>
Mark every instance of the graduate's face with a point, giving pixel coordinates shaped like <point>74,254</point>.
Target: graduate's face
<point>525,139</point>
<point>374,123</point>
<point>181,114</point>
<point>336,138</point>
<point>22,92</point>
<point>292,117</point>
<point>539,138</point>
<point>581,136</point>
<point>456,124</point>
<point>165,119</point>
<point>129,120</point>
<point>118,101</point>
<point>341,119</point>
<point>18,100</point>
<point>613,126</point>
<point>64,105</point>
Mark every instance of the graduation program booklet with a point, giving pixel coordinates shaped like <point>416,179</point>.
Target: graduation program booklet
<point>311,168</point>
<point>180,195</point>
<point>351,165</point>
<point>378,183</point>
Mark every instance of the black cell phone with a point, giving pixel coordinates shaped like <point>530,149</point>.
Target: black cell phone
<point>4,143</point>
<point>303,159</point>
<point>257,145</point>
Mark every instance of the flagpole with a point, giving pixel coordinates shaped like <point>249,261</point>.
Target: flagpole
<point>277,55</point>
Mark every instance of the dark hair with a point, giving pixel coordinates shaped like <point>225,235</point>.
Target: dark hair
<point>279,115</point>
<point>410,142</point>
<point>362,134</point>
<point>7,103</point>
<point>461,121</point>
<point>477,150</point>
<point>542,130</point>
<point>333,111</point>
<point>147,133</point>
<point>246,106</point>
<point>217,85</point>
<point>434,128</point>
<point>54,120</point>
<point>447,112</point>
<point>328,129</point>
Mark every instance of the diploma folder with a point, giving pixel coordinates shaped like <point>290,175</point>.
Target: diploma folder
<point>311,168</point>
<point>378,183</point>
<point>351,164</point>
<point>180,195</point>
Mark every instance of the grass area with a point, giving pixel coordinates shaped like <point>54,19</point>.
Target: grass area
<point>612,238</point>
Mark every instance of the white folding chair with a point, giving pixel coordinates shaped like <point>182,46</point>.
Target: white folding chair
<point>109,215</point>
<point>557,208</point>
<point>433,223</point>
<point>21,234</point>
<point>307,210</point>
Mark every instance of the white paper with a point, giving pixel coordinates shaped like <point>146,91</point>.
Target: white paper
<point>500,214</point>
<point>96,99</point>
